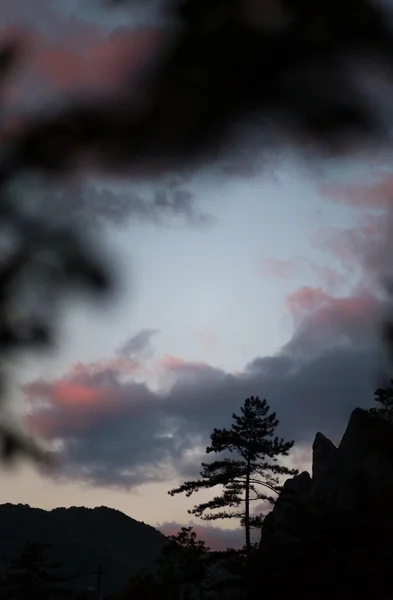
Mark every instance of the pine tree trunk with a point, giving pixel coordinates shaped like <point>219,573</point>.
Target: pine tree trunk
<point>247,512</point>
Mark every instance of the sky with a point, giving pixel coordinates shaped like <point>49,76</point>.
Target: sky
<point>261,274</point>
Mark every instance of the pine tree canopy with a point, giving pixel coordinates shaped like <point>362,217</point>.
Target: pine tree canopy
<point>253,474</point>
<point>384,396</point>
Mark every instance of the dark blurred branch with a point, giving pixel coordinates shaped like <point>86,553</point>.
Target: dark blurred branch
<point>221,70</point>
<point>42,259</point>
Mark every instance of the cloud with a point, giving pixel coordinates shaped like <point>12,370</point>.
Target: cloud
<point>377,195</point>
<point>278,267</point>
<point>323,321</point>
<point>288,268</point>
<point>116,432</point>
<point>214,537</point>
<point>365,248</point>
<point>208,337</point>
<point>92,204</point>
<point>138,345</point>
<point>314,302</point>
<point>114,429</point>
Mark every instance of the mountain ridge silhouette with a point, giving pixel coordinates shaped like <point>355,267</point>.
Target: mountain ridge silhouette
<point>82,538</point>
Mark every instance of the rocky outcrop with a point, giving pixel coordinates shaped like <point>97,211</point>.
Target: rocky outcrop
<point>360,473</point>
<point>324,452</point>
<point>334,531</point>
<point>281,525</point>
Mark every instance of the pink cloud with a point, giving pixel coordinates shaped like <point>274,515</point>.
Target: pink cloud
<point>87,393</point>
<point>306,298</point>
<point>173,363</point>
<point>314,300</point>
<point>340,243</point>
<point>118,364</point>
<point>377,195</point>
<point>285,269</point>
<point>323,322</point>
<point>69,406</point>
<point>327,275</point>
<point>351,308</point>
<point>362,248</point>
<point>72,408</point>
<point>279,267</point>
<point>71,394</point>
<point>91,393</point>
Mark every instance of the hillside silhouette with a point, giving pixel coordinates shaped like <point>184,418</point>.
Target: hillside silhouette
<point>82,538</point>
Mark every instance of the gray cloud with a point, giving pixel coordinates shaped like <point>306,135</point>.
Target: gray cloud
<point>138,346</point>
<point>91,205</point>
<point>135,435</point>
<point>161,206</point>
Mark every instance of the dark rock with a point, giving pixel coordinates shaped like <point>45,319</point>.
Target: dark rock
<point>361,472</point>
<point>331,536</point>
<point>281,527</point>
<point>323,453</point>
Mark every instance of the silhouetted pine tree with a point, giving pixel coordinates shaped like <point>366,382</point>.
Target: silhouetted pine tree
<point>385,398</point>
<point>250,477</point>
<point>181,561</point>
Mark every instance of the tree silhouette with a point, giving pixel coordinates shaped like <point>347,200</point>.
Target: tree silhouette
<point>187,539</point>
<point>180,569</point>
<point>253,476</point>
<point>180,561</point>
<point>384,396</point>
<point>32,576</point>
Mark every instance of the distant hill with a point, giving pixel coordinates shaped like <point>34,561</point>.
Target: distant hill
<point>82,538</point>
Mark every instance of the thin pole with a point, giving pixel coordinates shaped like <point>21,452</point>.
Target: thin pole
<point>99,573</point>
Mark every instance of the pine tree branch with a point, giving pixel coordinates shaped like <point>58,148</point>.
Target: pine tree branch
<point>221,515</point>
